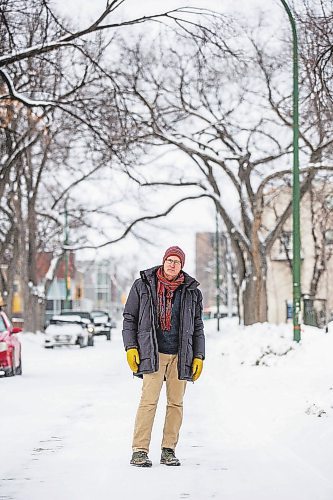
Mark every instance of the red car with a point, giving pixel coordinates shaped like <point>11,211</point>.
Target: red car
<point>10,348</point>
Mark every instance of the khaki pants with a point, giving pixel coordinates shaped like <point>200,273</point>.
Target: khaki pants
<point>151,388</point>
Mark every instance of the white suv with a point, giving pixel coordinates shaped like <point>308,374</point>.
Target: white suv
<point>68,330</point>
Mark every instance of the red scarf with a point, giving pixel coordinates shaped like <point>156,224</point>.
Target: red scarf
<point>165,290</point>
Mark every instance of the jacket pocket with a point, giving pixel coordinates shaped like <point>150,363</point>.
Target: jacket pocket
<point>189,352</point>
<point>145,350</point>
<point>145,344</point>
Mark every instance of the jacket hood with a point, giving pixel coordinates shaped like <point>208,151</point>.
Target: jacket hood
<point>150,273</point>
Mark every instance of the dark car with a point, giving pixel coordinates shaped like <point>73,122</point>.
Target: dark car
<point>84,315</point>
<point>10,348</point>
<point>103,323</point>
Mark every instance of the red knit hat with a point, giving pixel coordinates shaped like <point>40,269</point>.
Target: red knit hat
<point>175,251</point>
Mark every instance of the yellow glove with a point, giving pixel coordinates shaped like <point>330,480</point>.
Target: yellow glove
<point>133,359</point>
<point>196,368</point>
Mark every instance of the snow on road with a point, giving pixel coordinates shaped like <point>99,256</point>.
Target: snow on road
<point>257,424</point>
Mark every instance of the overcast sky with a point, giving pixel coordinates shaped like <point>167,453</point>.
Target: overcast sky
<point>84,9</point>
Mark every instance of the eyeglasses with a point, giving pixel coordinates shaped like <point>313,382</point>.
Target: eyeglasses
<point>175,262</point>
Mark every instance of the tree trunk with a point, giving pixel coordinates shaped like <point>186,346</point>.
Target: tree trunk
<point>254,299</point>
<point>255,291</point>
<point>31,262</point>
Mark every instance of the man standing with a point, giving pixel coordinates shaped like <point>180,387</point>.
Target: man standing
<point>164,339</point>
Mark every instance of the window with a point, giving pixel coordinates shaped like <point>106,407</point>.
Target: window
<point>66,305</point>
<point>49,305</point>
<point>102,296</point>
<point>283,247</point>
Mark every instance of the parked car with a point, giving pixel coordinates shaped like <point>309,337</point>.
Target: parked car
<point>103,323</point>
<point>85,316</point>
<point>10,348</point>
<point>68,330</point>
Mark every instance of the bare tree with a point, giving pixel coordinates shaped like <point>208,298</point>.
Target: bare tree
<point>62,122</point>
<point>229,113</point>
<point>215,92</point>
<point>316,20</point>
<point>321,195</point>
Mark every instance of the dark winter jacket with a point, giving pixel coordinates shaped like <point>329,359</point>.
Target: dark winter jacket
<point>140,324</point>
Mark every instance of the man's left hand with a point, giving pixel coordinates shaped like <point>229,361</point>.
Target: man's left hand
<point>197,366</point>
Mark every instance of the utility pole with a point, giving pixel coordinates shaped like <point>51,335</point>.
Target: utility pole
<point>217,241</point>
<point>296,188</point>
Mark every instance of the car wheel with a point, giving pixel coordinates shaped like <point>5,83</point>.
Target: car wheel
<point>108,335</point>
<point>81,342</point>
<point>91,341</point>
<point>11,372</point>
<point>19,368</point>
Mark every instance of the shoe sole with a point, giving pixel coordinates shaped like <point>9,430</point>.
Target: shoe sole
<point>175,464</point>
<point>141,465</point>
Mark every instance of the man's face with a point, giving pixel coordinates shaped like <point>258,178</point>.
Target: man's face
<point>172,266</point>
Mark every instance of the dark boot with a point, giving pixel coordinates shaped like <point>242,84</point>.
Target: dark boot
<point>168,457</point>
<point>140,459</point>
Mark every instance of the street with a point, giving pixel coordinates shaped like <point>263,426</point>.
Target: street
<point>68,426</point>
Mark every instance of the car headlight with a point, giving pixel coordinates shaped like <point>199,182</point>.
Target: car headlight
<point>3,347</point>
<point>91,329</point>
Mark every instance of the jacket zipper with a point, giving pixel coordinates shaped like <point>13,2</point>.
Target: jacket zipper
<point>181,328</point>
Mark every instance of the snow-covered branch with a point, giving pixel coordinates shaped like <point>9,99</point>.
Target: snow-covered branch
<point>96,26</point>
<point>146,218</point>
<point>18,96</point>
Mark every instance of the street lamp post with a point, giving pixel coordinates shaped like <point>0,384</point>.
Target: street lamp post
<point>296,188</point>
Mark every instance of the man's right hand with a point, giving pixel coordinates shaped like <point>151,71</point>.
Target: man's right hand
<point>133,359</point>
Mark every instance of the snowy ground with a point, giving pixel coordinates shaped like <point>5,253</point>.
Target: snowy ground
<point>257,424</point>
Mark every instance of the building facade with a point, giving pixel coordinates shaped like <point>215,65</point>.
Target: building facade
<point>316,257</point>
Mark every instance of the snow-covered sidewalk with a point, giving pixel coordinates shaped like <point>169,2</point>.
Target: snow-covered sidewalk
<point>257,424</point>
